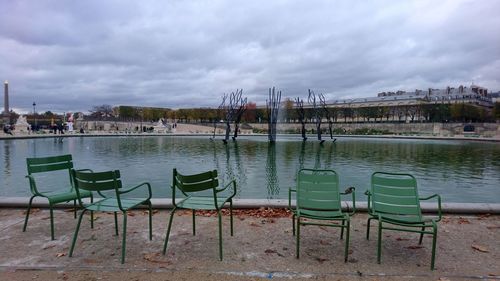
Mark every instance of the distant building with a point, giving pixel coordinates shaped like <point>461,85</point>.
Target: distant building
<point>495,97</point>
<point>403,101</point>
<point>474,94</point>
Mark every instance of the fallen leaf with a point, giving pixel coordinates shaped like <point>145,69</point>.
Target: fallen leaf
<point>156,258</point>
<point>321,260</point>
<point>32,211</point>
<point>443,279</point>
<point>414,247</point>
<point>483,216</point>
<point>60,255</point>
<point>479,248</point>
<point>323,242</point>
<point>255,224</point>
<point>48,247</point>
<point>270,251</point>
<point>463,221</point>
<point>493,226</point>
<point>402,239</point>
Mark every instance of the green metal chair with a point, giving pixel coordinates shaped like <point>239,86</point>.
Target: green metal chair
<point>318,198</point>
<point>109,181</point>
<point>50,166</point>
<point>393,199</point>
<point>191,186</point>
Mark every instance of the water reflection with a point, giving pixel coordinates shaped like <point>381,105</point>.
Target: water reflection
<point>271,173</point>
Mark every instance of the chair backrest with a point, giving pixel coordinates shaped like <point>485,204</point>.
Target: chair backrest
<point>318,190</point>
<point>196,182</point>
<point>49,164</point>
<point>100,181</point>
<point>395,194</point>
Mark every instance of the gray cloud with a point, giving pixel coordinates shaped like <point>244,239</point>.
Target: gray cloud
<point>176,54</point>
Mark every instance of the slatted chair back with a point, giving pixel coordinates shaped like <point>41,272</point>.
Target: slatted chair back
<point>197,182</point>
<point>395,194</point>
<point>49,164</point>
<point>99,182</point>
<point>318,190</point>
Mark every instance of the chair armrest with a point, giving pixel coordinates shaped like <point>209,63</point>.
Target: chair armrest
<point>84,170</point>
<point>351,190</point>
<point>290,190</point>
<point>137,186</point>
<point>438,201</point>
<point>233,183</point>
<point>369,194</point>
<point>33,188</point>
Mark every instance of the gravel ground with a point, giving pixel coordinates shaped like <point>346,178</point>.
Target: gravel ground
<point>262,247</point>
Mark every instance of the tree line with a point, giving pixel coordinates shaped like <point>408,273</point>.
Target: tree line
<point>460,112</point>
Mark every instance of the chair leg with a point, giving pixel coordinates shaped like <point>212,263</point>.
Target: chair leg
<point>194,223</point>
<point>293,224</point>
<point>298,238</point>
<point>76,233</point>
<point>74,208</point>
<point>342,230</point>
<point>379,244</point>
<point>346,254</point>
<point>368,229</point>
<point>231,215</point>
<point>91,213</point>
<point>28,213</point>
<point>421,235</point>
<point>150,221</point>
<point>116,223</point>
<point>124,237</point>
<point>220,235</point>
<point>168,230</point>
<point>434,239</point>
<point>51,222</point>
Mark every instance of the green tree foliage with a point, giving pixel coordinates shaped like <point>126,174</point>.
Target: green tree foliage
<point>496,111</point>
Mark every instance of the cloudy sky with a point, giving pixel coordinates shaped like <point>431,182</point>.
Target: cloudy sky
<point>71,55</point>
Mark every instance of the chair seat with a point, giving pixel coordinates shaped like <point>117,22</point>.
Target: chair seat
<point>65,197</point>
<point>111,204</point>
<point>201,203</point>
<point>402,219</point>
<point>317,214</point>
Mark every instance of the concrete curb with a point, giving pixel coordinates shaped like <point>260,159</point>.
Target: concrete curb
<point>166,203</point>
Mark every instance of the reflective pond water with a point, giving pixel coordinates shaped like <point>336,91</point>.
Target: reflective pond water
<point>460,171</point>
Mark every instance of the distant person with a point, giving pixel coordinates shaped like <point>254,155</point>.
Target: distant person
<point>7,130</point>
<point>82,131</point>
<point>60,128</point>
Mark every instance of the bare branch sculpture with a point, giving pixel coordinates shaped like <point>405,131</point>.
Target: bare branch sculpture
<point>317,112</point>
<point>327,112</point>
<point>219,113</point>
<point>240,108</point>
<point>299,106</point>
<point>272,106</point>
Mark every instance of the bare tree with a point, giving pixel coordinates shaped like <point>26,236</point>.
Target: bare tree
<point>299,106</point>
<point>328,116</point>
<point>233,110</point>
<point>101,111</point>
<point>273,105</point>
<point>314,102</point>
<point>219,113</point>
<point>241,107</point>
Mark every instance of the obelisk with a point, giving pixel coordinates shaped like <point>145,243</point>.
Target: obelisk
<point>6,112</point>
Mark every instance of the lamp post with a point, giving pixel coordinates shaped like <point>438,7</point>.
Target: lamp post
<point>34,114</point>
